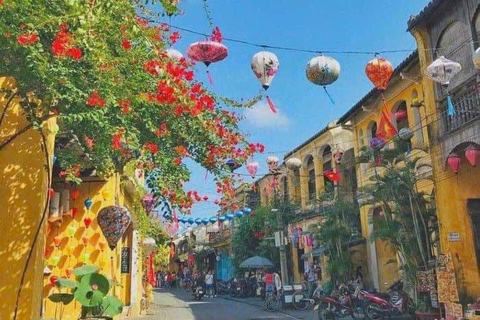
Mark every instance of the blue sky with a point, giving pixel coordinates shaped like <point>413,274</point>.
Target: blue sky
<point>344,25</point>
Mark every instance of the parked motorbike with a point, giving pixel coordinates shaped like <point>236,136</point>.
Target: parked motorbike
<point>237,288</point>
<point>330,308</point>
<point>198,293</point>
<point>223,287</point>
<point>396,304</point>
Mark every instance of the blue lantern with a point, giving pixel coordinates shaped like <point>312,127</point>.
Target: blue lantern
<point>55,159</point>
<point>88,203</point>
<point>222,218</point>
<point>229,216</point>
<point>190,221</point>
<point>204,220</point>
<point>239,214</point>
<point>182,220</point>
<point>247,210</point>
<point>213,219</point>
<point>198,221</point>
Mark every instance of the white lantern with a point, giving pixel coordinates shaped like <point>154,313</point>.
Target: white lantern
<point>265,65</point>
<point>443,70</point>
<point>293,163</point>
<point>272,163</point>
<point>323,70</point>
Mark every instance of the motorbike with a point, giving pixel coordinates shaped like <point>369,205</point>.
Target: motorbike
<point>197,290</point>
<point>223,287</point>
<point>238,287</point>
<point>330,308</point>
<point>395,304</point>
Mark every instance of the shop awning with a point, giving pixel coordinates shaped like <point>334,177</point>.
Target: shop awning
<point>320,250</point>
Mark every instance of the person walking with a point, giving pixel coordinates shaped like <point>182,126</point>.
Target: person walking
<point>277,281</point>
<point>310,277</point>
<point>209,284</point>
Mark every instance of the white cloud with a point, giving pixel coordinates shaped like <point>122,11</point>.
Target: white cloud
<point>261,116</point>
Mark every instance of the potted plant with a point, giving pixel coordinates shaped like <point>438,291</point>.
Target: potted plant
<point>91,291</point>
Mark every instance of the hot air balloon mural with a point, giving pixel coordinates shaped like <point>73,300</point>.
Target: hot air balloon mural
<point>208,51</point>
<point>265,66</point>
<point>323,71</point>
<point>442,71</point>
<point>113,221</point>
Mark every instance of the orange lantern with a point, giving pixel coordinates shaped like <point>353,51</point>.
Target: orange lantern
<point>379,71</point>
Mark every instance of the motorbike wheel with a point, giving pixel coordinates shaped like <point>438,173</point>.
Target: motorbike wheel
<point>373,311</point>
<point>300,301</point>
<point>358,311</point>
<point>325,312</point>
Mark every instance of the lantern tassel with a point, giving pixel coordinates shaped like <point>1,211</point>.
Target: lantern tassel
<point>451,112</point>
<point>210,79</point>
<point>206,174</point>
<point>329,96</point>
<point>271,105</point>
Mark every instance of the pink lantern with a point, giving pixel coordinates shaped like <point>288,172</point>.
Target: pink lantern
<point>472,152</point>
<point>252,168</point>
<point>453,161</point>
<point>400,115</point>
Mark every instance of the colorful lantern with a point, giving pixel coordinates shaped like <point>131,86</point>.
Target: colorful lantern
<point>68,272</point>
<point>87,222</point>
<point>332,175</point>
<point>85,257</point>
<point>74,194</point>
<point>198,221</point>
<point>247,210</point>
<point>213,219</point>
<point>204,220</point>
<point>252,168</point>
<point>55,260</point>
<point>190,221</point>
<point>379,71</point>
<point>232,164</point>
<point>377,143</point>
<point>113,221</point>
<point>442,71</point>
<point>102,245</point>
<point>272,163</point>
<point>57,240</point>
<point>53,280</point>
<point>405,134</point>
<point>229,216</point>
<point>293,163</point>
<point>209,51</point>
<point>265,65</point>
<point>401,115</point>
<point>472,153</point>
<point>322,71</point>
<point>222,218</point>
<point>239,214</point>
<point>148,202</point>
<point>88,203</point>
<point>182,220</point>
<point>85,241</point>
<point>174,54</point>
<point>476,58</point>
<point>453,161</point>
<point>71,230</point>
<point>74,212</point>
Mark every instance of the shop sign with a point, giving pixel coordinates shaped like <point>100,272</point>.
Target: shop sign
<point>454,237</point>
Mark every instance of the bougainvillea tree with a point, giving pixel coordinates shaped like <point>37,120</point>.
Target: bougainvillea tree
<point>100,67</point>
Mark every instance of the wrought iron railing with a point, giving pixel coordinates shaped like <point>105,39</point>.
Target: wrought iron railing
<point>466,101</point>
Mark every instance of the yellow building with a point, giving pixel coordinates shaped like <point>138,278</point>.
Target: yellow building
<point>451,29</point>
<point>402,95</point>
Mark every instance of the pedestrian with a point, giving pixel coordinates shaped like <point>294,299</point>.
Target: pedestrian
<point>310,278</point>
<point>159,279</point>
<point>169,280</point>
<point>209,283</point>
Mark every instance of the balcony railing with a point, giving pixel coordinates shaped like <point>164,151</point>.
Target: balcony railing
<point>466,101</point>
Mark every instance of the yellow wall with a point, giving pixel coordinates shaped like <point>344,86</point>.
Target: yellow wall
<point>23,196</point>
<point>71,249</point>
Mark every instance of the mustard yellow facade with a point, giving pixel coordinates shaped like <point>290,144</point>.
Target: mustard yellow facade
<point>23,198</point>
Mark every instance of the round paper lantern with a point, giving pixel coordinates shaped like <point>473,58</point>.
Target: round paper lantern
<point>322,70</point>
<point>239,214</point>
<point>252,168</point>
<point>53,280</point>
<point>442,70</point>
<point>453,161</point>
<point>472,153</point>
<point>229,216</point>
<point>88,203</point>
<point>213,219</point>
<point>87,222</point>
<point>198,221</point>
<point>190,221</point>
<point>208,51</point>
<point>183,220</point>
<point>174,54</point>
<point>379,71</point>
<point>405,134</point>
<point>247,210</point>
<point>272,163</point>
<point>265,66</point>
<point>476,58</point>
<point>148,202</point>
<point>74,194</point>
<point>102,245</point>
<point>204,220</point>
<point>222,218</point>
<point>377,143</point>
<point>401,115</point>
<point>293,163</point>
<point>113,221</point>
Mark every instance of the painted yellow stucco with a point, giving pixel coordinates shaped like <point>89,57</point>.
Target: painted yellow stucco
<point>23,197</point>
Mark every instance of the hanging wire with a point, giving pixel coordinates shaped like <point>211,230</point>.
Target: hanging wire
<point>208,14</point>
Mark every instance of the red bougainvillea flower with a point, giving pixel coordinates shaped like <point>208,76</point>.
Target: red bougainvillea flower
<point>151,67</point>
<point>174,37</point>
<point>181,151</point>
<point>27,39</point>
<point>125,105</point>
<point>89,142</point>
<point>152,147</point>
<point>117,141</point>
<point>74,53</point>
<point>61,42</point>
<point>126,44</point>
<point>162,131</point>
<point>96,100</point>
<point>177,161</point>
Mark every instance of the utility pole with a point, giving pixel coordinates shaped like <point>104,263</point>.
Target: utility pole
<point>281,226</point>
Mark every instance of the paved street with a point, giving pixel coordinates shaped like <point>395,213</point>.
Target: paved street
<point>179,305</point>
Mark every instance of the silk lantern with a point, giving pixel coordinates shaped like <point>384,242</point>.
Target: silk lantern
<point>265,66</point>
<point>71,230</point>
<point>472,153</point>
<point>148,202</point>
<point>88,203</point>
<point>87,222</point>
<point>239,214</point>
<point>222,218</point>
<point>247,210</point>
<point>294,163</point>
<point>379,71</point>
<point>442,71</point>
<point>453,161</point>
<point>198,221</point>
<point>204,220</point>
<point>272,163</point>
<point>229,216</point>
<point>213,219</point>
<point>252,168</point>
<point>113,221</point>
<point>405,134</point>
<point>74,194</point>
<point>377,143</point>
<point>323,71</point>
<point>190,221</point>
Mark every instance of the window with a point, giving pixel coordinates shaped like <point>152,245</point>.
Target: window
<point>473,207</point>
<point>311,179</point>
<point>327,165</point>
<point>372,131</point>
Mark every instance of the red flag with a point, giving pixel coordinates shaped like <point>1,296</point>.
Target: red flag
<point>331,175</point>
<point>385,129</point>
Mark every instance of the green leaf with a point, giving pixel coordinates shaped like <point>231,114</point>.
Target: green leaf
<point>92,289</point>
<point>65,283</point>
<point>81,271</point>
<point>112,306</point>
<point>64,298</point>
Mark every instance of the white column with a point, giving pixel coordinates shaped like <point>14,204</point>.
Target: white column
<point>134,270</point>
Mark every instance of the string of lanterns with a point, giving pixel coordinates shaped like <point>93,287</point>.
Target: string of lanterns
<point>213,220</point>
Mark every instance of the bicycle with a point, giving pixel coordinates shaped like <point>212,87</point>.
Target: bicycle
<point>301,300</point>
<point>272,301</point>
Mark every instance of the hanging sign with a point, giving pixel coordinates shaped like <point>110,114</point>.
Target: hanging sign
<point>454,237</point>
<point>125,262</point>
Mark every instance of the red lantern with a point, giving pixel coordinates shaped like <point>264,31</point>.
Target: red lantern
<point>472,153</point>
<point>400,115</point>
<point>332,175</point>
<point>87,222</point>
<point>453,161</point>
<point>379,71</point>
<point>74,194</point>
<point>53,280</point>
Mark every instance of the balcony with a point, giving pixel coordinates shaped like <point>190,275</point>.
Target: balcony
<point>466,101</point>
